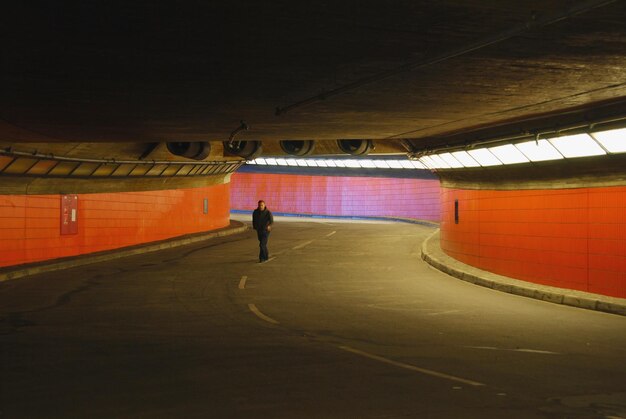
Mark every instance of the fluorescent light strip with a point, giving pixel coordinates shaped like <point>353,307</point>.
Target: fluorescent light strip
<point>465,159</point>
<point>540,150</point>
<point>451,160</point>
<point>580,145</point>
<point>368,164</point>
<point>508,154</point>
<point>484,157</point>
<point>614,141</point>
<point>428,162</point>
<point>439,162</point>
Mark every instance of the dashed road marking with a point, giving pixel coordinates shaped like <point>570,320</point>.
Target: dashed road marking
<point>330,234</point>
<point>532,351</point>
<point>411,367</point>
<point>260,315</point>
<point>300,246</point>
<point>242,282</point>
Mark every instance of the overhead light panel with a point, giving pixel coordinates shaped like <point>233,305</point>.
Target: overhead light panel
<point>281,162</point>
<point>508,154</point>
<point>381,164</point>
<point>368,164</point>
<point>418,165</point>
<point>451,160</point>
<point>394,164</point>
<point>613,140</point>
<point>439,162</point>
<point>580,145</point>
<point>428,162</point>
<point>540,150</point>
<point>465,159</point>
<point>484,157</point>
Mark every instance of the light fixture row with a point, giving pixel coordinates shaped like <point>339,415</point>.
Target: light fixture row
<point>536,150</point>
<point>349,163</point>
<point>565,147</point>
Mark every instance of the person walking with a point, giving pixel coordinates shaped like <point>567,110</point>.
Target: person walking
<point>262,220</point>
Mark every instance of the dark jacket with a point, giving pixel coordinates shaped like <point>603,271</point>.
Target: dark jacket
<point>261,219</point>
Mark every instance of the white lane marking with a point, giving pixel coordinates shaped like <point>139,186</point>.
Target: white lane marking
<point>260,315</point>
<point>443,312</point>
<point>330,234</point>
<point>411,367</point>
<point>242,282</point>
<point>533,351</point>
<point>300,246</point>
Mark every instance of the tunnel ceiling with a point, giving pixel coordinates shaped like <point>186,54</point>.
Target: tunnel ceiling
<point>171,71</point>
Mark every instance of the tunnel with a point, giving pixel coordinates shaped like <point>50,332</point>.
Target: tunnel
<point>313,210</point>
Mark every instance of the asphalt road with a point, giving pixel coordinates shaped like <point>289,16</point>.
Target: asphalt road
<point>345,321</point>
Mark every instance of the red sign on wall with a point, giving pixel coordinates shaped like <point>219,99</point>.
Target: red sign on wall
<point>69,214</point>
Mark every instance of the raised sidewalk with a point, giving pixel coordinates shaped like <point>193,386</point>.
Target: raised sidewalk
<point>13,272</point>
<point>432,254</point>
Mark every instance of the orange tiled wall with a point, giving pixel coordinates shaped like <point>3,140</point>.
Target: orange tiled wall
<point>349,196</point>
<point>30,224</point>
<point>569,238</point>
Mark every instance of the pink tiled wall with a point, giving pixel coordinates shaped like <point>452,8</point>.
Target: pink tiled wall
<point>348,196</point>
<point>30,224</point>
<point>569,238</point>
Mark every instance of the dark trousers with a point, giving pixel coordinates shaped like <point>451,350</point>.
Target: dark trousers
<point>263,238</point>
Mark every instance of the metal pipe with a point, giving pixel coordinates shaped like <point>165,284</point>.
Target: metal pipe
<point>590,127</point>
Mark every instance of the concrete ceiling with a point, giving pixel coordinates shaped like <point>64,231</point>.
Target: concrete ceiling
<point>94,71</point>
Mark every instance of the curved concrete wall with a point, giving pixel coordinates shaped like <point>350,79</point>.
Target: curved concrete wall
<point>30,225</point>
<point>338,195</point>
<point>569,238</point>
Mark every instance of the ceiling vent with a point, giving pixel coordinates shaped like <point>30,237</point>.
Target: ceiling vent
<point>191,150</point>
<point>356,147</point>
<point>298,147</point>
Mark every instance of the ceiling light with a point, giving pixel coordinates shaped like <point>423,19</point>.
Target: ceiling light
<point>352,164</point>
<point>484,157</point>
<point>508,154</point>
<point>292,162</point>
<point>394,164</point>
<point>449,158</point>
<point>428,162</point>
<point>406,164</point>
<point>281,162</point>
<point>339,163</point>
<point>579,145</point>
<point>368,164</point>
<point>540,150</point>
<point>418,165</point>
<point>381,164</point>
<point>321,163</point>
<point>271,161</point>
<point>439,162</point>
<point>613,140</point>
<point>465,159</point>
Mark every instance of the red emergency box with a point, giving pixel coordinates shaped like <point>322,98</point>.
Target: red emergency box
<point>69,214</point>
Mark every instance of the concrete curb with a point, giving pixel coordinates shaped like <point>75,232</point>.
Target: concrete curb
<point>433,255</point>
<point>74,261</point>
